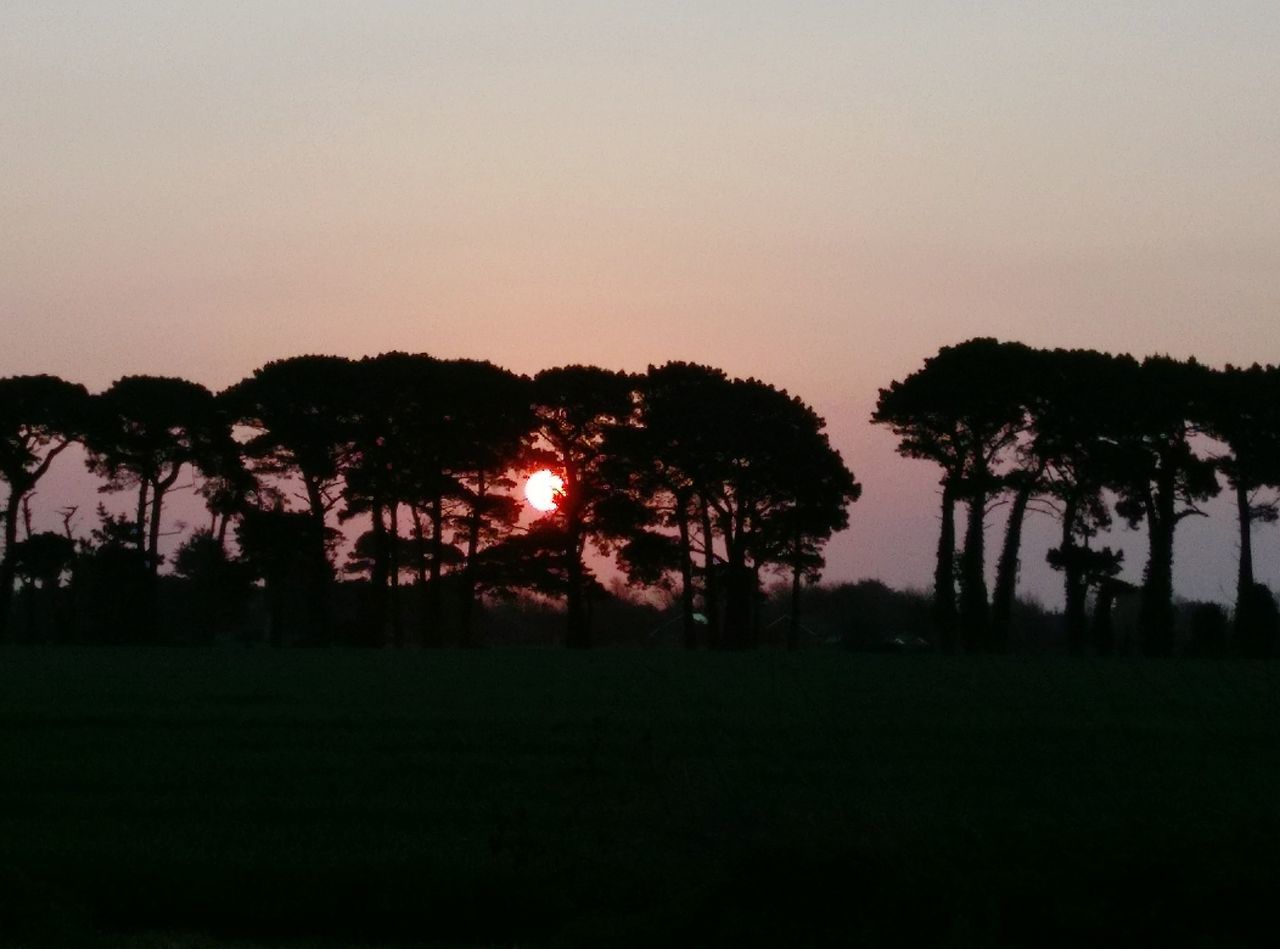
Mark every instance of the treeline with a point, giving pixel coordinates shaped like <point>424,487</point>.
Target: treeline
<point>697,483</point>
<point>1089,437</point>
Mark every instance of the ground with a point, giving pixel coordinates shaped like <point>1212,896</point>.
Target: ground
<point>216,798</point>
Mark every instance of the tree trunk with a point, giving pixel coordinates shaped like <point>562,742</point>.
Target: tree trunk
<point>737,612</point>
<point>1075,590</point>
<point>419,546</point>
<point>1075,615</point>
<point>149,622</point>
<point>1007,570</point>
<point>153,528</point>
<point>141,522</point>
<point>378,579</point>
<point>578,635</point>
<point>1104,640</point>
<point>793,623</point>
<point>944,574</point>
<point>1244,572</point>
<point>420,572</point>
<point>8,566</point>
<point>1155,612</point>
<point>710,584</point>
<point>467,591</point>
<point>757,605</point>
<point>688,628</point>
<point>318,572</point>
<point>578,628</point>
<point>973,582</point>
<point>435,569</point>
<point>393,571</point>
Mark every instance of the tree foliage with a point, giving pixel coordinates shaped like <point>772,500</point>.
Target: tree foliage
<point>40,416</point>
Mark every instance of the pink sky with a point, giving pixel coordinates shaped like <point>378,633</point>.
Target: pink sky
<point>818,194</point>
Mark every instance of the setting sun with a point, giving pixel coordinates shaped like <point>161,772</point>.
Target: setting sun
<point>542,489</point>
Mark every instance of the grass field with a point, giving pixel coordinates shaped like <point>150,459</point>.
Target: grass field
<point>217,798</point>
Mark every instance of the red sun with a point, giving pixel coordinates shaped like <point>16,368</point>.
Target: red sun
<point>542,489</point>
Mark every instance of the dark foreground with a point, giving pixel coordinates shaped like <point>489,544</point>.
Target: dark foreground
<point>209,798</point>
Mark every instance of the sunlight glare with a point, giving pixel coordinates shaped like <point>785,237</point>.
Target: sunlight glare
<point>542,489</point>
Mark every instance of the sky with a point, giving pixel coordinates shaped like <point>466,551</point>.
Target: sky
<point>820,194</point>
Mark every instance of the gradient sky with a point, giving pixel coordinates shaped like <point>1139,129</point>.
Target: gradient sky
<point>817,193</point>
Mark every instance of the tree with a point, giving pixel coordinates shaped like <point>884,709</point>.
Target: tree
<point>41,561</point>
<point>279,547</point>
<point>44,557</point>
<point>218,586</point>
<point>1027,379</point>
<point>777,491</point>
<point>815,490</point>
<point>1079,399</point>
<point>297,412</point>
<point>736,471</point>
<point>228,486</point>
<point>145,430</point>
<point>663,461</point>
<point>440,438</point>
<point>574,409</point>
<point>748,461</point>
<point>488,435</point>
<point>1161,479</point>
<point>1242,410</point>
<point>111,589</point>
<point>393,458</point>
<point>961,410</point>
<point>1025,482</point>
<point>39,417</point>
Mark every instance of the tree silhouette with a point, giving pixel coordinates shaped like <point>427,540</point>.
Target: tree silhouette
<point>1079,396</point>
<point>1024,377</point>
<point>574,409</point>
<point>395,432</point>
<point>775,490</point>
<point>1161,478</point>
<point>145,431</point>
<point>41,560</point>
<point>296,411</point>
<point>815,490</point>
<point>665,461</point>
<point>489,430</point>
<point>110,586</point>
<point>39,417</point>
<point>228,486</point>
<point>218,585</point>
<point>280,547</point>
<point>438,437</point>
<point>961,410</point>
<point>1242,410</point>
<point>744,465</point>
<point>690,478</point>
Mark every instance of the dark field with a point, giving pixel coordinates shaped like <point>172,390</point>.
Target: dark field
<point>211,798</point>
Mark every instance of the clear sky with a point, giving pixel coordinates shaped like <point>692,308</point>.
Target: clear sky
<point>817,193</point>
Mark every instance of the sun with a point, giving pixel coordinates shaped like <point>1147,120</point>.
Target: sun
<point>542,489</point>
